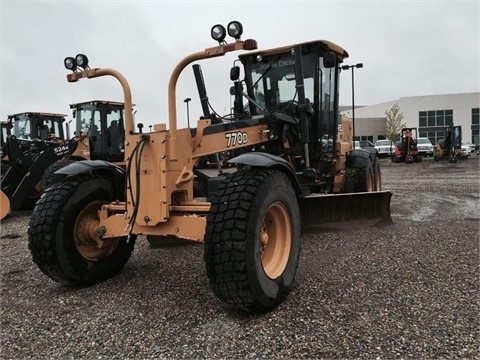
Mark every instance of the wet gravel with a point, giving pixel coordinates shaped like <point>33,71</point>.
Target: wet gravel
<point>406,291</point>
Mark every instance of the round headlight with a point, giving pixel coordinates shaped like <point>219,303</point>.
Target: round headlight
<point>81,60</point>
<point>70,63</point>
<point>218,33</point>
<point>235,29</point>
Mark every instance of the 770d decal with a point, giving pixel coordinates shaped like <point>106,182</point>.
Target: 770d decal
<point>236,138</point>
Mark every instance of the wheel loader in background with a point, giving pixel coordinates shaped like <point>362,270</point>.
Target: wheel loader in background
<point>406,148</point>
<point>33,162</point>
<point>30,130</point>
<point>101,136</point>
<point>292,170</point>
<point>451,146</point>
<point>27,135</point>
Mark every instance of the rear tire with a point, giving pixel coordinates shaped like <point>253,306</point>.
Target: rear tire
<point>359,179</point>
<point>61,233</point>
<point>49,177</point>
<point>252,239</point>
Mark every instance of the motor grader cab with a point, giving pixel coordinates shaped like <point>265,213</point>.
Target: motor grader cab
<point>292,169</point>
<point>449,147</point>
<point>406,148</point>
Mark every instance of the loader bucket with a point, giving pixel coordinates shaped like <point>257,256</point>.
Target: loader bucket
<point>345,211</point>
<point>4,205</point>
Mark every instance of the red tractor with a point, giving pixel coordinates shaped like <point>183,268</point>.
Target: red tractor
<point>406,149</point>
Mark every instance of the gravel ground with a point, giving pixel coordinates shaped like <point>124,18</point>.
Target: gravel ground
<point>407,291</point>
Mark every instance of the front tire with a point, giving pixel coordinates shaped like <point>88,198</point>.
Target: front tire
<point>252,239</point>
<point>61,233</point>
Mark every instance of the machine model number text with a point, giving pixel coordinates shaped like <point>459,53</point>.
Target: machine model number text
<point>236,138</point>
<point>61,150</point>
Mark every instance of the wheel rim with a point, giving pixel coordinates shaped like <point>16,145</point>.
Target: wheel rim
<point>87,243</point>
<point>275,240</point>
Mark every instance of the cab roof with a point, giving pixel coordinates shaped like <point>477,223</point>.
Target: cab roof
<point>37,114</point>
<point>327,45</point>
<point>97,102</point>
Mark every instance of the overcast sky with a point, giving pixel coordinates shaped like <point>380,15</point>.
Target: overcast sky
<point>407,48</point>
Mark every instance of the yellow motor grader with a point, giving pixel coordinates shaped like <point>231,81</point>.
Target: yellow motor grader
<point>293,167</point>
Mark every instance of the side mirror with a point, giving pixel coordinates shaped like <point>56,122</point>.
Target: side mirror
<point>329,59</point>
<point>235,73</point>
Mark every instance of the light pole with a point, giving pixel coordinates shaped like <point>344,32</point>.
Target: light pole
<point>346,67</point>
<point>187,100</point>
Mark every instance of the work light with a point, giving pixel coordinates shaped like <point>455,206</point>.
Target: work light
<point>82,61</point>
<point>218,33</point>
<point>70,63</point>
<point>235,29</point>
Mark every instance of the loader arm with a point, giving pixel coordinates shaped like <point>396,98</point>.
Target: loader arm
<point>27,185</point>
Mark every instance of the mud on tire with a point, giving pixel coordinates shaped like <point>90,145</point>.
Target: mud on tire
<point>252,239</point>
<point>60,233</point>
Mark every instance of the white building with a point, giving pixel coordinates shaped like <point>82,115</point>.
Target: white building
<point>429,114</point>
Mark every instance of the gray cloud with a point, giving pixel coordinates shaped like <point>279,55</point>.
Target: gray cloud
<point>407,47</point>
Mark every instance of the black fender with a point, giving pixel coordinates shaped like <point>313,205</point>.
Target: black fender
<point>268,161</point>
<point>360,158</point>
<point>373,152</point>
<point>99,167</point>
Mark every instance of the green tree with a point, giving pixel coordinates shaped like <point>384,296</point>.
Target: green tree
<point>393,123</point>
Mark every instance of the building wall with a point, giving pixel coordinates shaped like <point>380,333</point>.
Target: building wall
<point>368,119</point>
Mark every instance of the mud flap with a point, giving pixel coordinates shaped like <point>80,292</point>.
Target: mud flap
<point>345,211</point>
<point>4,205</point>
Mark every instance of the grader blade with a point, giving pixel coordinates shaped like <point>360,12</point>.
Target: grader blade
<point>4,205</point>
<point>345,211</point>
